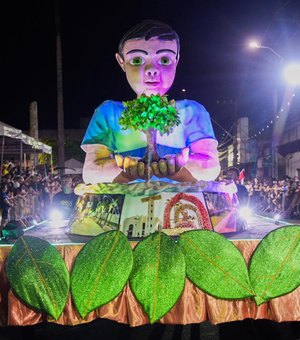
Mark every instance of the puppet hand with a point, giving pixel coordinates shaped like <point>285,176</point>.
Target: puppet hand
<point>134,167</point>
<point>160,168</point>
<point>144,170</point>
<point>128,164</point>
<point>170,164</point>
<point>119,160</point>
<point>181,158</point>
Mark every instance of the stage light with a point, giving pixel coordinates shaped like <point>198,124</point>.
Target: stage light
<point>292,74</point>
<point>56,218</point>
<point>277,218</point>
<point>245,213</point>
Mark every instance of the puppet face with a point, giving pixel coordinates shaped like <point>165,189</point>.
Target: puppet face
<point>150,66</point>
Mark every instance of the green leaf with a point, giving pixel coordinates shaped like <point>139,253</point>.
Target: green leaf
<point>100,271</point>
<point>38,275</point>
<point>147,112</point>
<point>215,265</point>
<point>158,275</point>
<point>275,264</point>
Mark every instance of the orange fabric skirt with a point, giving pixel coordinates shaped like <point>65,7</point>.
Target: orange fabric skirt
<point>194,306</point>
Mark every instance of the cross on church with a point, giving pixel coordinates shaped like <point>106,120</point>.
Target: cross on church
<point>150,200</point>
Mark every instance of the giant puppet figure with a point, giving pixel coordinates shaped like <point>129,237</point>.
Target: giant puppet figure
<point>149,54</point>
<point>127,187</point>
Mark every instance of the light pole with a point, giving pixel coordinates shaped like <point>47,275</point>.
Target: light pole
<point>255,44</point>
<point>292,76</point>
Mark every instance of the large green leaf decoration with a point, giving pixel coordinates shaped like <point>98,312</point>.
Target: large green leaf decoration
<point>158,274</point>
<point>100,271</point>
<point>275,264</point>
<point>38,275</point>
<point>215,265</point>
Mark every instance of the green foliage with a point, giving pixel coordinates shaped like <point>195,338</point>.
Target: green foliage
<point>38,275</point>
<point>158,274</point>
<point>100,271</point>
<point>154,112</point>
<point>215,265</point>
<point>275,265</point>
<point>156,270</point>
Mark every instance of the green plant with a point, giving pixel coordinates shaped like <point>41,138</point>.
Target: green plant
<point>153,112</point>
<point>150,114</point>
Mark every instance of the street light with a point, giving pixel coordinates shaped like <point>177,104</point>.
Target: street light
<point>291,71</point>
<point>255,44</point>
<point>291,74</point>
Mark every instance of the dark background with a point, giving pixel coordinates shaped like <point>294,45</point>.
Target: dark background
<point>216,67</point>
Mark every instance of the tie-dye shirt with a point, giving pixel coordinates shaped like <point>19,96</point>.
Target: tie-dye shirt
<point>104,129</point>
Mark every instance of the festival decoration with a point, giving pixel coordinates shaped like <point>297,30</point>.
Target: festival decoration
<point>38,275</point>
<point>150,114</point>
<point>275,264</point>
<point>215,265</point>
<point>98,281</point>
<point>158,275</point>
<point>156,270</point>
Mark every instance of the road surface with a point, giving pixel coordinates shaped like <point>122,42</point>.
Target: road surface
<point>258,227</point>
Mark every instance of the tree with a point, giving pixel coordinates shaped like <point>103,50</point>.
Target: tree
<point>150,114</point>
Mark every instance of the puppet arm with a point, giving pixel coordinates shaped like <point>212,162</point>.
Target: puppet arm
<point>99,165</point>
<point>102,166</point>
<point>202,164</point>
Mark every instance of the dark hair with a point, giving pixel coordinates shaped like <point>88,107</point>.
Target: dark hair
<point>65,176</point>
<point>234,169</point>
<point>148,29</point>
<point>3,186</point>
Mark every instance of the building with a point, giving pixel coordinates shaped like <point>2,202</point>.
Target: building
<point>271,152</point>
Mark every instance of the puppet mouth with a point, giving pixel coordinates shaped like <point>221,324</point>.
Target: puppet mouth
<point>152,83</point>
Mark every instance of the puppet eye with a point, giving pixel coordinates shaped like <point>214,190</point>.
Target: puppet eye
<point>165,61</point>
<point>137,61</point>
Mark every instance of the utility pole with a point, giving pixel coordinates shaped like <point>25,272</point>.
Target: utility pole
<point>235,148</point>
<point>277,130</point>
<point>60,105</point>
<point>34,129</point>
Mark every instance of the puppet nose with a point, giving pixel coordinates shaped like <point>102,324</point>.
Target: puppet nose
<point>151,71</point>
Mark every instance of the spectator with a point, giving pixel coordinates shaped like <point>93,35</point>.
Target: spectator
<point>5,205</point>
<point>240,199</point>
<point>65,200</point>
<point>242,192</point>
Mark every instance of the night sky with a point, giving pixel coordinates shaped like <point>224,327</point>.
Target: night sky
<point>215,68</point>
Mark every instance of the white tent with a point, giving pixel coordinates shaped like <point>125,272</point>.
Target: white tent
<point>15,142</point>
<point>73,167</point>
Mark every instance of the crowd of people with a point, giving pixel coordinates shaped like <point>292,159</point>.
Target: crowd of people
<point>29,194</point>
<point>275,196</point>
<point>269,196</point>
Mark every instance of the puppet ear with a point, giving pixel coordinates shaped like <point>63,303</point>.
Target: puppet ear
<point>120,61</point>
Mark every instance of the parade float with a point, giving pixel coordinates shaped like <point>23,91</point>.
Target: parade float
<point>157,253</point>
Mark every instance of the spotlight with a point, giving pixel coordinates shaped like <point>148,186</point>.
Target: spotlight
<point>245,213</point>
<point>57,218</point>
<point>277,218</point>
